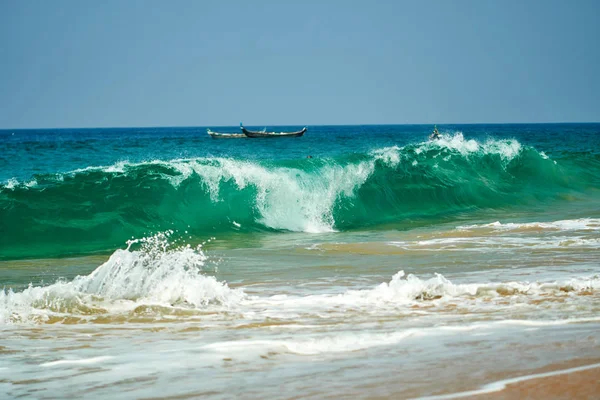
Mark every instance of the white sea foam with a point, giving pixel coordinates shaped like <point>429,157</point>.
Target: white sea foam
<point>403,292</point>
<point>389,155</point>
<point>581,224</point>
<point>456,142</point>
<point>153,274</point>
<point>117,168</point>
<point>11,183</point>
<point>156,275</point>
<point>404,289</point>
<point>286,198</point>
<point>507,149</point>
<point>498,243</point>
<point>338,343</point>
<point>356,340</point>
<point>82,361</point>
<point>496,235</point>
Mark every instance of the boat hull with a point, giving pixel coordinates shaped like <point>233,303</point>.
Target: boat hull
<point>217,135</point>
<point>254,134</point>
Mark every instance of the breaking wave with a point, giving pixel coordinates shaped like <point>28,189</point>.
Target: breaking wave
<point>153,275</point>
<point>98,208</point>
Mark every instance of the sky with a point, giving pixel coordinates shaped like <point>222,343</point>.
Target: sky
<point>115,63</point>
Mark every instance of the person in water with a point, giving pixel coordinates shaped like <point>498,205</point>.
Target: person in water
<point>435,134</point>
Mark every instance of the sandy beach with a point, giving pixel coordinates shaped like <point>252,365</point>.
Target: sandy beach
<point>576,385</point>
<point>576,379</point>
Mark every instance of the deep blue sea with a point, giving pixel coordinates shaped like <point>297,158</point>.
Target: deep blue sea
<point>160,262</point>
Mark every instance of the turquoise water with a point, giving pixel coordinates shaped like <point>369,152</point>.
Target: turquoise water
<point>74,192</point>
<point>135,257</point>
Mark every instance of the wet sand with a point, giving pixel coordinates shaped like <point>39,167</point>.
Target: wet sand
<point>576,385</point>
<point>559,383</point>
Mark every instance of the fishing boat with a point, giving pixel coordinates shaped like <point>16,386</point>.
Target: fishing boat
<point>265,134</point>
<point>217,135</point>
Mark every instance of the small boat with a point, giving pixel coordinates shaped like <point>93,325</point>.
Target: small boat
<point>265,134</point>
<point>217,135</point>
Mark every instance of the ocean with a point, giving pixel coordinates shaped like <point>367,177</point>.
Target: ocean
<point>352,262</point>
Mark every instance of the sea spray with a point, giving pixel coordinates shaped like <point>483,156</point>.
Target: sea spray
<point>156,273</point>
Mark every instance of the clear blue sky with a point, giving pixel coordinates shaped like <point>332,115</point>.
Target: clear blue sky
<point>210,63</point>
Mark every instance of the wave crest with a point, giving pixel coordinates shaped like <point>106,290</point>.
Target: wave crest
<point>213,195</point>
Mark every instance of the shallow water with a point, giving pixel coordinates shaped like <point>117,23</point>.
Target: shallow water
<point>504,281</point>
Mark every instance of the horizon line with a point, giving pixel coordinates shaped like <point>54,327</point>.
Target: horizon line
<point>307,125</point>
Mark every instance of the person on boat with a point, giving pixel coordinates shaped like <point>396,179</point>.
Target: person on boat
<point>435,135</point>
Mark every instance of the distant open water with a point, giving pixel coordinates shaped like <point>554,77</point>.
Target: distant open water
<point>161,262</point>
